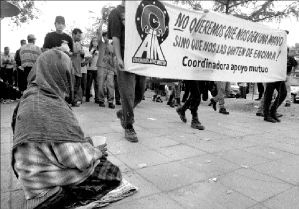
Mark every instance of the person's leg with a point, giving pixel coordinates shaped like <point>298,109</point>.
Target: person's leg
<point>127,84</point>
<point>282,93</point>
<point>260,88</point>
<point>110,88</point>
<point>186,92</point>
<point>220,97</point>
<point>96,86</point>
<point>83,84</point>
<point>77,84</point>
<point>10,76</point>
<point>288,88</point>
<point>117,95</point>
<point>101,79</point>
<point>139,89</point>
<point>267,102</point>
<point>88,84</point>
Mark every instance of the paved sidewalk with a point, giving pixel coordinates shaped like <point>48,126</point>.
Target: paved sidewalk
<point>238,162</point>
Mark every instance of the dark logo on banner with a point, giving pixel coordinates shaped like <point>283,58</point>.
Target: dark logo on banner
<point>152,23</point>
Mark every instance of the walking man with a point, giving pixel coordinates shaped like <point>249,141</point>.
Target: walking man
<point>131,86</point>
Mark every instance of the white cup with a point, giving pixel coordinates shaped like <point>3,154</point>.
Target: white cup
<point>98,140</point>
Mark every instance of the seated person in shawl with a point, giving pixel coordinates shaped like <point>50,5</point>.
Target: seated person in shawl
<point>56,166</point>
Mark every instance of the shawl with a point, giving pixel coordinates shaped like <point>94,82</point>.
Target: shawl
<point>42,114</point>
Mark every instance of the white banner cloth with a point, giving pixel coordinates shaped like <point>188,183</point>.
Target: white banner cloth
<point>167,41</point>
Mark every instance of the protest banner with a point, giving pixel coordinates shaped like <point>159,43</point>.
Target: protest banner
<point>167,41</point>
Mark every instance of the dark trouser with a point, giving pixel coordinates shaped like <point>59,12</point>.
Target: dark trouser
<point>77,93</point>
<point>187,91</point>
<point>92,76</point>
<point>23,78</point>
<point>260,88</point>
<point>117,95</point>
<point>194,99</point>
<point>131,89</point>
<point>7,75</point>
<point>83,83</point>
<point>282,93</point>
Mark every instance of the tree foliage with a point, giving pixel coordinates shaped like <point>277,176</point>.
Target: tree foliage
<point>28,11</point>
<point>253,10</point>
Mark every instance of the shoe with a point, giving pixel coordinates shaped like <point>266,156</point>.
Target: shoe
<point>97,102</point>
<point>111,105</point>
<point>197,125</point>
<point>117,103</point>
<point>258,99</point>
<point>119,115</point>
<point>213,103</point>
<point>101,104</point>
<point>87,100</point>
<point>259,114</point>
<point>287,105</point>
<point>269,119</point>
<point>223,111</point>
<point>181,114</point>
<point>273,115</point>
<point>77,104</point>
<point>278,115</point>
<point>131,135</point>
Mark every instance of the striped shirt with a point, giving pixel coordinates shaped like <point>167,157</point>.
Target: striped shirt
<point>29,54</point>
<point>43,166</point>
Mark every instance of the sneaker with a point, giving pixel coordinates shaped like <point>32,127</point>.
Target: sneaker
<point>287,105</point>
<point>101,104</point>
<point>131,135</point>
<point>197,125</point>
<point>77,104</point>
<point>258,99</point>
<point>181,114</point>
<point>223,111</point>
<point>119,115</point>
<point>111,106</point>
<point>269,119</point>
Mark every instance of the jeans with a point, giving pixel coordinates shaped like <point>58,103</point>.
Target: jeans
<point>104,74</point>
<point>221,86</point>
<point>194,99</point>
<point>131,89</point>
<point>83,84</point>
<point>92,76</point>
<point>282,93</point>
<point>288,86</point>
<point>77,93</point>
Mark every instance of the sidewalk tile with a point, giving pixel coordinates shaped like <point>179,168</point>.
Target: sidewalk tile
<point>213,195</point>
<point>253,184</point>
<point>170,176</point>
<point>286,200</point>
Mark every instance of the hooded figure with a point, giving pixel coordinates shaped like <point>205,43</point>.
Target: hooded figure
<point>55,164</point>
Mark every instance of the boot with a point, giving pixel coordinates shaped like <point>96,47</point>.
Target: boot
<point>196,124</point>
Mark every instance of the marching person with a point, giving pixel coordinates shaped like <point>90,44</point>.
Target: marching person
<point>131,86</point>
